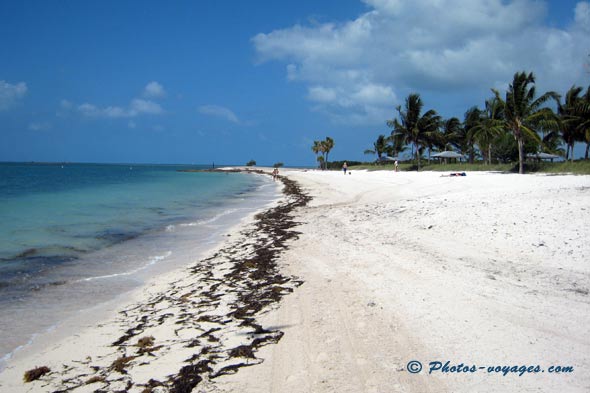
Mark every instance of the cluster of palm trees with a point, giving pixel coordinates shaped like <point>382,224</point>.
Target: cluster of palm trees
<point>518,120</point>
<point>321,150</point>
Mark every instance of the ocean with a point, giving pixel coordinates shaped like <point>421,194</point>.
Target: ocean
<point>76,235</point>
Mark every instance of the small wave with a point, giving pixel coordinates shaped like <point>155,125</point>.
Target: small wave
<point>209,220</point>
<point>189,224</point>
<point>170,228</point>
<point>4,359</point>
<point>151,262</point>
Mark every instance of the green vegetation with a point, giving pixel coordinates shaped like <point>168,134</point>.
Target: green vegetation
<point>498,137</point>
<point>251,163</point>
<point>321,150</point>
<point>338,164</point>
<point>277,165</point>
<point>581,167</point>
<point>523,113</point>
<point>414,128</point>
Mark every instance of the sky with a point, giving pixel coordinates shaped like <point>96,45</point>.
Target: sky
<point>229,81</point>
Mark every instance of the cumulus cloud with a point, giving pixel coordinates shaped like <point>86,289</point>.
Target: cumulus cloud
<point>582,15</point>
<point>356,70</point>
<point>154,90</point>
<point>219,111</point>
<point>10,93</point>
<point>139,106</point>
<point>135,108</point>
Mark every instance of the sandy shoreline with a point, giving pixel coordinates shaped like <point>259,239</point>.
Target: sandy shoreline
<point>182,329</point>
<point>487,269</point>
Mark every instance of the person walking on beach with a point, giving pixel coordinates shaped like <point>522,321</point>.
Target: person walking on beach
<point>275,174</point>
<point>395,165</point>
<point>344,167</point>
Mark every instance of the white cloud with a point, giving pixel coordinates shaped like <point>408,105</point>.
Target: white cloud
<point>65,105</point>
<point>10,93</point>
<point>322,94</point>
<point>582,15</point>
<point>115,112</point>
<point>356,70</point>
<point>219,111</point>
<point>39,126</point>
<point>355,103</point>
<point>137,107</point>
<point>154,90</point>
<point>89,110</point>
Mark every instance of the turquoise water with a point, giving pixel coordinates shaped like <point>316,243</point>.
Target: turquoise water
<point>77,234</point>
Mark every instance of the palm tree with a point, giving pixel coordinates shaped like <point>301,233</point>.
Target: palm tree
<point>413,126</point>
<point>523,112</point>
<point>322,149</point>
<point>452,132</point>
<point>322,162</point>
<point>570,120</point>
<point>473,118</point>
<point>318,149</point>
<point>328,146</point>
<point>488,128</point>
<point>585,124</point>
<point>380,146</point>
<point>434,138</point>
<point>397,145</point>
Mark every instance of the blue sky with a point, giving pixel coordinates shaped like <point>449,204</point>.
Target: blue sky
<point>230,81</point>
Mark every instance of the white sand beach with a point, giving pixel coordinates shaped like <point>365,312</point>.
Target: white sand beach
<point>485,270</point>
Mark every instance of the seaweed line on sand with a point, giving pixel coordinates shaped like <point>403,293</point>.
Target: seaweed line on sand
<point>209,321</point>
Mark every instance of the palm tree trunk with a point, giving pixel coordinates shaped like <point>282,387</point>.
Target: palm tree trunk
<point>490,154</point>
<point>520,155</point>
<point>587,148</point>
<point>572,149</point>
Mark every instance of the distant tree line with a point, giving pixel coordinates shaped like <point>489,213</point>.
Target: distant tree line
<point>505,130</point>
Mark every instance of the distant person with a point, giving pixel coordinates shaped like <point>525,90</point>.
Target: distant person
<point>275,174</point>
<point>345,167</point>
<point>454,174</point>
<point>395,164</point>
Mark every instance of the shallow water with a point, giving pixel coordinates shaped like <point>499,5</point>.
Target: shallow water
<point>74,236</point>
